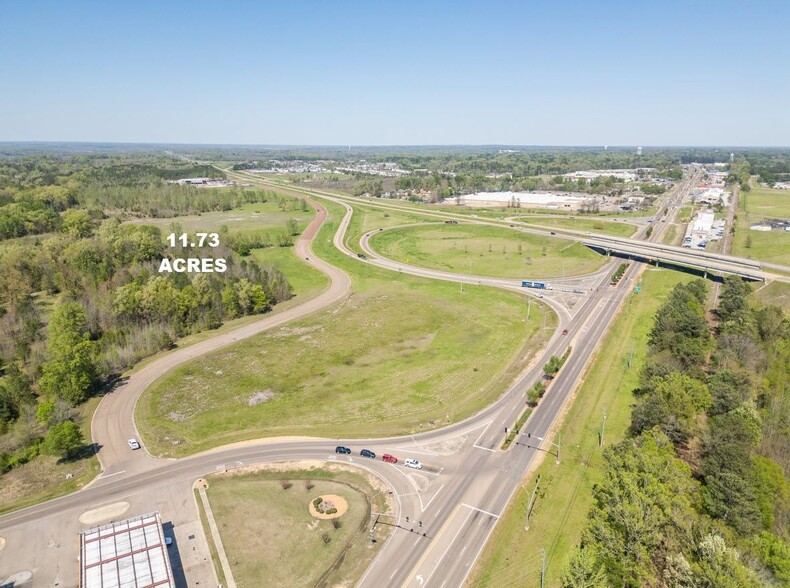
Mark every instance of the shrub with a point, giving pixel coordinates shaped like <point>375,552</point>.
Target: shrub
<point>337,523</point>
<point>286,484</point>
<point>325,538</point>
<point>317,502</point>
<point>330,511</point>
<point>308,485</point>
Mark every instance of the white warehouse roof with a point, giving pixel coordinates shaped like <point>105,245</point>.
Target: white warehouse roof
<point>125,554</point>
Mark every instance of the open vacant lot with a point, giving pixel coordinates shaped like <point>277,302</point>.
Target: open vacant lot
<point>398,352</point>
<point>487,251</point>
<point>606,227</point>
<point>254,217</point>
<point>268,532</point>
<point>758,204</point>
<point>512,556</point>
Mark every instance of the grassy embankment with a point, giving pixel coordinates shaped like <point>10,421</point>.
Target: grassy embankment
<point>754,206</point>
<point>267,531</point>
<point>512,556</point>
<point>398,352</point>
<point>487,251</point>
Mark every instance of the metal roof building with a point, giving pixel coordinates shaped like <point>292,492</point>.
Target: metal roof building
<point>126,554</point>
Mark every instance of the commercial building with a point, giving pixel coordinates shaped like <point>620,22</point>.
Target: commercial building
<point>126,554</point>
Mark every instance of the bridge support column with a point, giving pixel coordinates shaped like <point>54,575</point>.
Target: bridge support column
<point>656,263</point>
<point>608,253</point>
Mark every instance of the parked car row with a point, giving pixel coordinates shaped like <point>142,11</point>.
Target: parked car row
<point>409,463</point>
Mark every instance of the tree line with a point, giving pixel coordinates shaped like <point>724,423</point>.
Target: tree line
<point>697,494</point>
<point>81,305</point>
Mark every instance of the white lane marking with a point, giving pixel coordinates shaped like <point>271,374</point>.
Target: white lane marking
<point>480,510</point>
<point>449,545</point>
<point>393,573</point>
<point>103,476</point>
<point>483,433</point>
<point>484,448</point>
<point>432,497</point>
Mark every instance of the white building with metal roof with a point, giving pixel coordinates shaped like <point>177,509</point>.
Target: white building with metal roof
<point>126,554</point>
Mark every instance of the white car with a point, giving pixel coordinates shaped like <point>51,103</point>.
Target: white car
<point>133,444</point>
<point>413,463</point>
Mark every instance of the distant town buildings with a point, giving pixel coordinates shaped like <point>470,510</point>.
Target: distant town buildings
<point>204,182</point>
<point>624,175</point>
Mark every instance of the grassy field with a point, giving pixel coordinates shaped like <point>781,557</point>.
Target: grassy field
<point>512,556</point>
<point>582,224</point>
<point>358,369</point>
<point>771,246</point>
<point>777,293</point>
<point>268,532</point>
<point>754,206</point>
<point>45,477</point>
<point>305,280</point>
<point>765,202</point>
<point>487,251</point>
<point>255,217</point>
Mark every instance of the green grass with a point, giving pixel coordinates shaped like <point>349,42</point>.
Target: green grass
<point>512,556</point>
<point>359,369</point>
<point>305,280</point>
<point>487,251</point>
<point>754,206</point>
<point>765,202</point>
<point>267,531</point>
<point>777,293</point>
<point>583,224</point>
<point>255,217</point>
<point>670,237</point>
<point>773,246</point>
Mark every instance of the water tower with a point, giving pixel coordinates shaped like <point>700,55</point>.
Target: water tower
<point>639,151</point>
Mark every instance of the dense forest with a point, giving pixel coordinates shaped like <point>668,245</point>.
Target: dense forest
<point>697,495</point>
<point>81,296</point>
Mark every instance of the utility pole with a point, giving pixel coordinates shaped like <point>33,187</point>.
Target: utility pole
<point>531,503</point>
<point>559,444</point>
<point>542,567</point>
<point>603,424</point>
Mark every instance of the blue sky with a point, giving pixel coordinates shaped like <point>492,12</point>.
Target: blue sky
<point>532,72</point>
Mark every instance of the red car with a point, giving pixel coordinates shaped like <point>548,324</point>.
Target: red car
<point>564,331</point>
<point>389,458</point>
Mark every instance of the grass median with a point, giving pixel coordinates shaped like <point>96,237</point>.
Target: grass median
<point>512,555</point>
<point>487,251</point>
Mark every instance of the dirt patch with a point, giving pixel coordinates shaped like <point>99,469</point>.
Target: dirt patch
<point>260,397</point>
<point>176,416</point>
<point>329,501</point>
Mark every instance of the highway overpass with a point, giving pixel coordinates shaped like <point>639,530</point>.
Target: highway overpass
<point>700,260</point>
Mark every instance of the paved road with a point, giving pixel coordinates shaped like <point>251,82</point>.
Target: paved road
<point>446,510</point>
